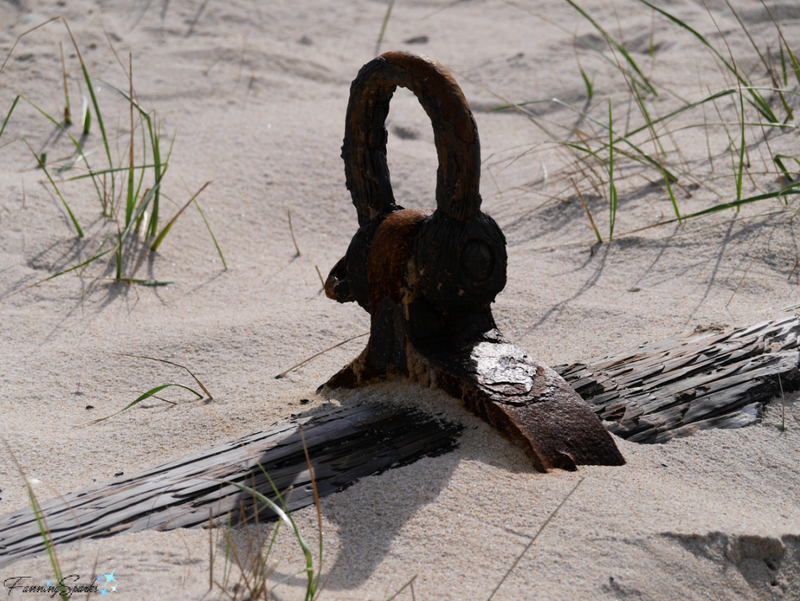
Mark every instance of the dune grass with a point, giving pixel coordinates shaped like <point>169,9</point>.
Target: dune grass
<point>59,589</point>
<point>130,202</point>
<point>602,153</point>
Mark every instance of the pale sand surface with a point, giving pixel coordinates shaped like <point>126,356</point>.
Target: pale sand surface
<point>257,93</point>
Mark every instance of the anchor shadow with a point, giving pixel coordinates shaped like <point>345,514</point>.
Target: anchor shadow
<point>371,513</point>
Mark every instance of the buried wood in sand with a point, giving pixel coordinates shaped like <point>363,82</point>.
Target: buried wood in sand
<point>650,394</point>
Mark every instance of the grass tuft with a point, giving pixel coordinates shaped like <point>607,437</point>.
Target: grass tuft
<point>132,209</point>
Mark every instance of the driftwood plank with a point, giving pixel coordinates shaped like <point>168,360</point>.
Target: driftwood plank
<point>345,444</point>
<point>653,393</point>
<point>673,388</point>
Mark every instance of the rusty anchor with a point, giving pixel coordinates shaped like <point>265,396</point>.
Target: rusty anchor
<point>428,278</point>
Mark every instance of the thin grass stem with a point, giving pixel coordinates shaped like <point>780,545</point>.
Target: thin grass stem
<point>312,357</point>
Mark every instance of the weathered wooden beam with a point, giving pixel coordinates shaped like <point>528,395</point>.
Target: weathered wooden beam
<point>345,444</point>
<point>653,393</point>
<point>673,388</point>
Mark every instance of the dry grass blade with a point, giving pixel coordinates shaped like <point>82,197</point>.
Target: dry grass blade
<point>312,357</point>
<point>20,36</point>
<point>291,231</point>
<point>167,227</point>
<point>67,112</point>
<point>189,371</point>
<point>383,27</point>
<point>410,583</point>
<point>533,540</point>
<point>316,498</point>
<point>210,549</point>
<point>588,214</point>
<point>321,280</point>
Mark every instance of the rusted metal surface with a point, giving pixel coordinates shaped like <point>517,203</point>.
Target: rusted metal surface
<point>428,278</point>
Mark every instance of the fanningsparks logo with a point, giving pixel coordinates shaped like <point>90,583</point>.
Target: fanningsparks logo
<point>104,584</point>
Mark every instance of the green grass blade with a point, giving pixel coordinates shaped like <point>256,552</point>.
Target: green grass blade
<point>740,170</point>
<point>104,171</point>
<point>150,282</point>
<point>66,206</point>
<point>763,106</point>
<point>118,254</point>
<point>286,518</point>
<point>144,396</point>
<point>583,41</point>
<point>158,167</point>
<point>123,235</point>
<point>739,203</point>
<point>779,162</point>
<point>219,250</point>
<point>99,116</point>
<point>127,97</point>
<point>612,189</point>
<point>783,64</point>
<point>142,206</point>
<point>155,142</point>
<point>74,143</point>
<point>795,65</point>
<point>86,116</point>
<point>589,85</point>
<point>161,171</point>
<point>144,160</point>
<point>8,116</point>
<point>643,156</point>
<point>130,200</point>
<point>618,46</point>
<point>505,107</point>
<point>383,26</point>
<point>48,545</point>
<point>640,102</point>
<point>687,107</point>
<point>172,221</point>
<point>96,256</point>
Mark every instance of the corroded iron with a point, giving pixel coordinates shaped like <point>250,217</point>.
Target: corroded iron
<point>428,278</point>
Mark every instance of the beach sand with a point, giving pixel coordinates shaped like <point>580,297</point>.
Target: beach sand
<point>254,95</point>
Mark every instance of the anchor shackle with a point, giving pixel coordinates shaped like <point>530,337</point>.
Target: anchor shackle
<point>454,130</point>
<point>456,256</point>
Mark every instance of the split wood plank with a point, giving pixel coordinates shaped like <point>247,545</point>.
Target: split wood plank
<point>673,388</point>
<point>653,393</point>
<point>199,490</point>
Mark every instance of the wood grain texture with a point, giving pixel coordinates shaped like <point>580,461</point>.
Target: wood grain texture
<point>344,444</point>
<point>650,394</point>
<point>673,388</point>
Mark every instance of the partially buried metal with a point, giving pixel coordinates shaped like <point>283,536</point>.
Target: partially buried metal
<point>428,278</point>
